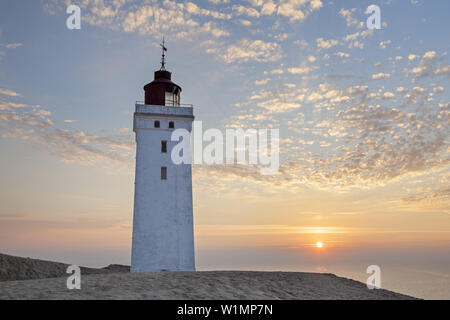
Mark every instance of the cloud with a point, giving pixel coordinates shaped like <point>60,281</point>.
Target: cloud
<point>277,71</point>
<point>33,124</point>
<point>252,50</point>
<point>181,19</point>
<point>430,55</point>
<point>250,12</point>
<point>341,54</point>
<point>262,82</point>
<point>374,132</point>
<point>212,28</point>
<point>11,45</point>
<point>8,92</point>
<point>304,70</point>
<point>268,8</point>
<point>326,44</point>
<point>298,10</point>
<point>434,195</point>
<point>347,14</point>
<point>442,70</point>
<point>246,23</point>
<point>388,95</point>
<point>438,90</point>
<point>194,9</point>
<point>356,40</point>
<point>301,43</point>
<point>219,1</point>
<point>428,67</point>
<point>368,136</point>
<point>384,44</point>
<point>419,90</point>
<point>384,149</point>
<point>381,75</point>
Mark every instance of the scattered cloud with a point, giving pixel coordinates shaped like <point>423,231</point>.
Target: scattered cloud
<point>438,90</point>
<point>381,75</point>
<point>33,124</point>
<point>326,44</point>
<point>262,82</point>
<point>11,45</point>
<point>388,95</point>
<point>342,54</point>
<point>384,44</point>
<point>250,12</point>
<point>339,131</point>
<point>442,70</point>
<point>304,70</point>
<point>7,92</point>
<point>252,50</point>
<point>348,15</point>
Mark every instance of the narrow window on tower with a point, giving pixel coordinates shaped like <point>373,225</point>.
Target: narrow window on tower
<point>171,125</point>
<point>163,173</point>
<point>164,146</point>
<point>157,124</point>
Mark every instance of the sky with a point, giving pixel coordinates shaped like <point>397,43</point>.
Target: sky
<point>363,118</point>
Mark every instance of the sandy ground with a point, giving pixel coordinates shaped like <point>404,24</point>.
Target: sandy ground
<point>197,285</point>
<point>18,268</point>
<point>48,281</point>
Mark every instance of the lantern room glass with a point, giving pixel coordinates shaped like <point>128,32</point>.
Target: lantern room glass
<point>172,99</point>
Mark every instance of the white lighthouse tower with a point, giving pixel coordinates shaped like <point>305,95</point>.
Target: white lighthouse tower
<point>163,235</point>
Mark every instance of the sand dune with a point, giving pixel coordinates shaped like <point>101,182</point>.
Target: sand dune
<point>18,268</point>
<point>197,285</point>
<point>236,285</point>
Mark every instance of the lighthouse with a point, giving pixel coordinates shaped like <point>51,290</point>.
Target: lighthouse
<point>163,232</point>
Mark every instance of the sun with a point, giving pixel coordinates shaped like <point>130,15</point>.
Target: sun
<point>319,244</point>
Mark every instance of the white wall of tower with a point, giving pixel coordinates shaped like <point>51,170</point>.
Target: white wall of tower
<point>163,236</point>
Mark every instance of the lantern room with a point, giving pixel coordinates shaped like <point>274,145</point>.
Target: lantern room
<point>162,91</point>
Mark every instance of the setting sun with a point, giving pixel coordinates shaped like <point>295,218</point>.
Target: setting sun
<point>319,244</point>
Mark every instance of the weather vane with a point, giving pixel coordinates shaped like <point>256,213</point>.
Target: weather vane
<point>163,60</point>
